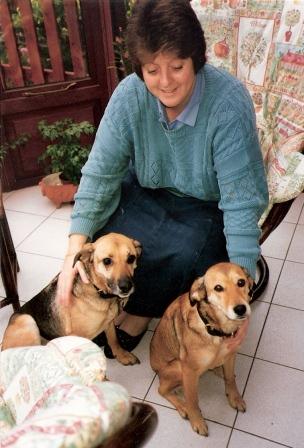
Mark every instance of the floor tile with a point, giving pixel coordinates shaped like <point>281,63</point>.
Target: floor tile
<point>241,439</point>
<point>289,290</point>
<point>283,337</point>
<point>296,250</point>
<point>137,378</point>
<point>29,200</point>
<point>259,312</point>
<point>50,239</point>
<point>22,225</point>
<point>174,432</point>
<point>6,195</point>
<point>212,398</point>
<point>301,218</point>
<point>295,210</point>
<point>36,272</point>
<point>64,212</point>
<point>275,267</point>
<point>274,396</point>
<point>276,245</point>
<point>5,314</point>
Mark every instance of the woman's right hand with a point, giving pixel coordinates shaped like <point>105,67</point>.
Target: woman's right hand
<point>66,277</point>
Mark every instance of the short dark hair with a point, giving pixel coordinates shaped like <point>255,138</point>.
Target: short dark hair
<point>165,25</point>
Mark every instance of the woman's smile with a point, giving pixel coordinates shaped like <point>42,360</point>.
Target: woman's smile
<point>171,80</point>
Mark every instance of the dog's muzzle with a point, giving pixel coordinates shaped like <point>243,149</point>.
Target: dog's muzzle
<point>125,285</point>
<point>240,310</point>
<point>121,290</point>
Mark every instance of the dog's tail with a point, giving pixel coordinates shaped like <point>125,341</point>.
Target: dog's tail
<point>22,331</point>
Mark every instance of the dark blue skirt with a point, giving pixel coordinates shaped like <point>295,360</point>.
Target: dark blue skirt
<point>181,238</point>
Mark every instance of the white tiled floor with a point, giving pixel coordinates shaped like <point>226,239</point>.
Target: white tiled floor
<point>270,365</point>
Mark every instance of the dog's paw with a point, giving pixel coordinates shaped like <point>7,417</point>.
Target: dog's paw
<point>128,359</point>
<point>236,401</point>
<point>200,426</point>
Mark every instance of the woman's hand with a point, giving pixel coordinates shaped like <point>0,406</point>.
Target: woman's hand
<point>68,273</point>
<point>235,341</point>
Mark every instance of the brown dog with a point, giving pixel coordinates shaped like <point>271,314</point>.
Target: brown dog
<point>109,263</point>
<point>202,330</point>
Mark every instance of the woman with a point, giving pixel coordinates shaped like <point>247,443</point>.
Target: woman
<point>176,164</point>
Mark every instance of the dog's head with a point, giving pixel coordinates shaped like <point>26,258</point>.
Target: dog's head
<point>110,263</point>
<point>224,292</point>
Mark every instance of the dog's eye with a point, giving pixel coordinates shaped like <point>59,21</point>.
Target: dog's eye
<point>107,261</point>
<point>218,288</point>
<point>131,259</point>
<point>241,282</point>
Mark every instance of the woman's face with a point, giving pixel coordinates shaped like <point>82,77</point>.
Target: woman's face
<point>171,80</point>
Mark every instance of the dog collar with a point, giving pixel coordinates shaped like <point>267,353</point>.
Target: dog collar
<point>210,329</point>
<point>103,294</point>
<point>214,331</point>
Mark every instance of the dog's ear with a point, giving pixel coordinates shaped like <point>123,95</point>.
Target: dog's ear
<point>85,255</point>
<point>138,247</point>
<point>198,291</point>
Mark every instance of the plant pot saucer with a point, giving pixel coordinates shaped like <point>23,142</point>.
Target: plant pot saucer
<point>56,190</point>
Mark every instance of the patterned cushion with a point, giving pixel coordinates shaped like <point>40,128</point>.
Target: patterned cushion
<point>261,42</point>
<point>54,396</point>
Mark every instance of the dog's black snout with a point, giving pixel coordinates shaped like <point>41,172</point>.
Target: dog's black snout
<point>240,310</point>
<point>125,285</point>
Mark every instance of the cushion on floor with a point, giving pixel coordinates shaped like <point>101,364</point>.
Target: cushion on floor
<point>54,396</point>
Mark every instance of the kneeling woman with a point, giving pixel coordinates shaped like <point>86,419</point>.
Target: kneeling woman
<point>176,164</point>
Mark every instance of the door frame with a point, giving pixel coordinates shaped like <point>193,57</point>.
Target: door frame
<point>99,84</point>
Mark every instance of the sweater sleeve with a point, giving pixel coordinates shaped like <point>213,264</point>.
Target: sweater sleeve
<point>99,191</point>
<point>241,177</point>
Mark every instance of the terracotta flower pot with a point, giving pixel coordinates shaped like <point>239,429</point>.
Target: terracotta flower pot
<point>56,190</point>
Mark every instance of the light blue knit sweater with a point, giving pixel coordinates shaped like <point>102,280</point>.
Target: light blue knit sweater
<point>219,159</point>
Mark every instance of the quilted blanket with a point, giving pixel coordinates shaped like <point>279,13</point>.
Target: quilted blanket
<point>55,396</point>
<point>262,43</point>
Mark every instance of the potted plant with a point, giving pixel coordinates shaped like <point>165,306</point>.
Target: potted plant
<point>63,157</point>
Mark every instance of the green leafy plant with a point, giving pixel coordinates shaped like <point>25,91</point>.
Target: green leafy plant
<point>13,144</point>
<point>121,57</point>
<point>65,153</point>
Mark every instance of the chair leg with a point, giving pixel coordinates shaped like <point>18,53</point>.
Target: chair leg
<point>9,267</point>
<point>263,279</point>
<point>137,431</point>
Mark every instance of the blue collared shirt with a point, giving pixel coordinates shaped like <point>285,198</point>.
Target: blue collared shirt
<point>189,114</point>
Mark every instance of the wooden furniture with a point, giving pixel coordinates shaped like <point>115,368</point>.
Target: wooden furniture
<point>73,76</point>
<point>138,429</point>
<point>9,262</point>
<point>274,218</point>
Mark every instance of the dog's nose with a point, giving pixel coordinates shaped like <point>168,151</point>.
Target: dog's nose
<point>240,310</point>
<point>125,285</point>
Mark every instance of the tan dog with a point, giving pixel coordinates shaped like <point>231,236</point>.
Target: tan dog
<point>109,263</point>
<point>202,330</point>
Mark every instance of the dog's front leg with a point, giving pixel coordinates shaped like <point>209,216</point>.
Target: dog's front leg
<point>190,386</point>
<point>234,397</point>
<point>119,353</point>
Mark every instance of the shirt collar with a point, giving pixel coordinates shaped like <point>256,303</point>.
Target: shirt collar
<point>189,114</point>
